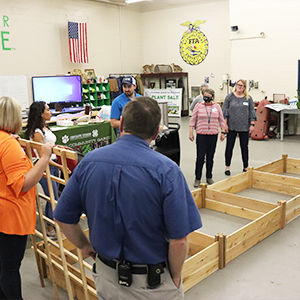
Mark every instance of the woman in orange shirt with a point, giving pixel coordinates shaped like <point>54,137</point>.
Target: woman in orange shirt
<point>17,197</point>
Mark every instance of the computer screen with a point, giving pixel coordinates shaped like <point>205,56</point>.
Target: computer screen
<point>65,90</point>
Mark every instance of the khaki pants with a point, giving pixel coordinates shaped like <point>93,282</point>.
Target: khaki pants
<point>106,281</point>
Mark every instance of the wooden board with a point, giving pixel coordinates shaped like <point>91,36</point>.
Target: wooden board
<point>248,236</point>
<point>292,208</point>
<point>272,167</point>
<point>200,265</point>
<point>233,184</point>
<point>276,183</point>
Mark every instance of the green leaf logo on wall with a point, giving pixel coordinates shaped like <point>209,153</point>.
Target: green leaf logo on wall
<point>194,44</point>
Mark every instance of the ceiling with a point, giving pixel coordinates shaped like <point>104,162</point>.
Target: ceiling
<point>154,4</point>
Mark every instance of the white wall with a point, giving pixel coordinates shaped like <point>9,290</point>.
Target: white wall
<point>38,33</point>
<point>273,60</point>
<point>162,33</point>
<point>122,41</point>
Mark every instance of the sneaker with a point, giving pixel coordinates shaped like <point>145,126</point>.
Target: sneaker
<point>227,172</point>
<point>196,183</point>
<point>209,181</point>
<point>51,234</point>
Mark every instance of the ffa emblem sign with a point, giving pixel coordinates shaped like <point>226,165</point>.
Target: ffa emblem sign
<point>194,44</point>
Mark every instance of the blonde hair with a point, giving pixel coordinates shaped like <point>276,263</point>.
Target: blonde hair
<point>10,115</point>
<point>245,91</point>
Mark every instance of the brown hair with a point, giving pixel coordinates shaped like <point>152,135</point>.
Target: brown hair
<point>141,117</point>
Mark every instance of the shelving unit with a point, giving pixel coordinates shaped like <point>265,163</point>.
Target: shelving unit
<point>163,80</point>
<point>96,93</point>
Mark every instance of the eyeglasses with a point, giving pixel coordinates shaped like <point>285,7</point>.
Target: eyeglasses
<point>240,85</point>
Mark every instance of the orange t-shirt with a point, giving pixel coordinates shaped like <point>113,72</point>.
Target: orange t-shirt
<point>17,208</point>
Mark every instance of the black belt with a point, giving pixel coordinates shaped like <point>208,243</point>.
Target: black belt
<point>134,269</point>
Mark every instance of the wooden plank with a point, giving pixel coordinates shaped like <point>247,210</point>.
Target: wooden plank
<point>293,166</point>
<point>197,197</point>
<point>272,167</point>
<point>248,236</point>
<point>56,150</point>
<point>276,183</point>
<point>200,238</point>
<point>233,184</point>
<point>199,266</point>
<point>241,201</point>
<point>292,209</point>
<point>233,210</point>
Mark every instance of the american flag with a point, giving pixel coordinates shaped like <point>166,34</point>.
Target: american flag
<point>78,42</point>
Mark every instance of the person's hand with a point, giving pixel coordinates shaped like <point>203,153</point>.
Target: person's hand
<point>15,136</point>
<point>222,137</point>
<point>90,251</point>
<point>226,128</point>
<point>47,149</point>
<point>177,281</point>
<point>191,136</point>
<point>251,129</point>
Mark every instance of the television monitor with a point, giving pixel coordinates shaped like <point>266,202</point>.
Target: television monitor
<point>65,90</point>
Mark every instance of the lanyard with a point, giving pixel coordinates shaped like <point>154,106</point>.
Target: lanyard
<point>208,116</point>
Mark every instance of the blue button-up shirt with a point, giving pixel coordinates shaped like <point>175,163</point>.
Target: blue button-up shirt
<point>134,197</point>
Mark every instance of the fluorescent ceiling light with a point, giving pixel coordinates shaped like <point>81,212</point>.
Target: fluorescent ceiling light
<point>134,1</point>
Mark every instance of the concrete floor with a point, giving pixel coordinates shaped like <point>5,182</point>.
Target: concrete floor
<point>268,270</point>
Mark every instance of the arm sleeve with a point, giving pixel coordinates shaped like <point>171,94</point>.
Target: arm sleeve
<point>194,116</point>
<point>69,207</point>
<point>180,211</point>
<point>15,165</point>
<point>226,107</point>
<point>115,110</point>
<point>221,117</point>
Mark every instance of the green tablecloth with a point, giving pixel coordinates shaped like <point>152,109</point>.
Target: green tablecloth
<point>80,135</point>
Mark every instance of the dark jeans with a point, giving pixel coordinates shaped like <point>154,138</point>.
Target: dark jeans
<point>12,249</point>
<point>206,146</point>
<point>230,141</point>
<point>43,182</point>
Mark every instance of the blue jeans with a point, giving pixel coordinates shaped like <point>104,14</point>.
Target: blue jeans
<point>43,182</point>
<point>12,249</point>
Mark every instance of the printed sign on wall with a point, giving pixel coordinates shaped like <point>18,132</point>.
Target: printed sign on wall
<point>172,96</point>
<point>193,44</point>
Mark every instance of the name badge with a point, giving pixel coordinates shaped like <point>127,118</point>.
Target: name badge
<point>214,109</point>
<point>245,103</point>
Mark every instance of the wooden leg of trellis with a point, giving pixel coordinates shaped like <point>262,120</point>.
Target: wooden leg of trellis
<point>59,239</point>
<point>47,249</point>
<point>284,158</point>
<point>282,203</point>
<point>83,277</point>
<point>38,262</point>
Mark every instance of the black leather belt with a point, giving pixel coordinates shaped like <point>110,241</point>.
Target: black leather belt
<point>134,269</point>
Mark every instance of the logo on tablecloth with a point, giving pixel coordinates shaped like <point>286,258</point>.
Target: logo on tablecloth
<point>95,133</point>
<point>65,139</point>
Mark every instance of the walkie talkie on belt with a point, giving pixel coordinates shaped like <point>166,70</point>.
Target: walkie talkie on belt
<point>124,273</point>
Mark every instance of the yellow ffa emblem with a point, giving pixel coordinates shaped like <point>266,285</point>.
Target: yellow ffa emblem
<point>194,44</point>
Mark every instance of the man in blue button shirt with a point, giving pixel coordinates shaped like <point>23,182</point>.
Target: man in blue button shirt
<point>139,211</point>
<point>128,86</point>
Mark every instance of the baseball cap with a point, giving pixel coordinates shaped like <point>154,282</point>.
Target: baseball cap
<point>128,80</point>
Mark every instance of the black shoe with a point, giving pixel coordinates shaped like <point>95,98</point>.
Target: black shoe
<point>227,172</point>
<point>244,170</point>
